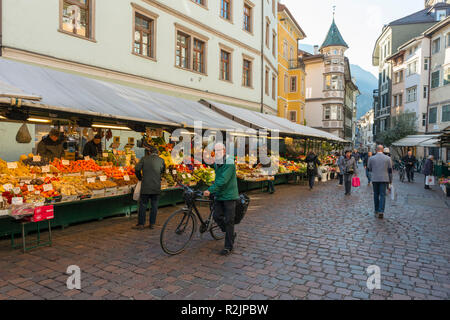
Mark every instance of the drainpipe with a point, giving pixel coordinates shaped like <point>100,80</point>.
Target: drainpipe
<point>429,85</point>
<point>262,56</point>
<point>1,23</point>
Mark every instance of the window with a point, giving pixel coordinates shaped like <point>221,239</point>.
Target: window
<point>267,34</point>
<point>412,68</point>
<point>446,76</point>
<point>143,36</point>
<point>432,118</point>
<point>424,119</point>
<point>435,79</point>
<point>293,116</point>
<point>395,101</point>
<point>426,63</point>
<point>425,92</point>
<point>225,61</point>
<point>384,76</point>
<point>274,83</point>
<point>248,18</point>
<point>225,9</point>
<point>440,15</point>
<point>267,82</point>
<point>446,113</point>
<point>326,113</point>
<point>411,94</point>
<point>400,99</point>
<point>436,45</point>
<point>199,56</point>
<point>398,76</point>
<point>293,85</point>
<point>333,82</point>
<point>286,80</point>
<point>285,49</point>
<point>247,73</point>
<point>182,51</point>
<point>448,40</point>
<point>303,86</point>
<point>76,17</point>
<point>200,2</point>
<point>274,43</point>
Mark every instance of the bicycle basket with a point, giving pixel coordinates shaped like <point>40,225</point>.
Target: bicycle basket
<point>241,208</point>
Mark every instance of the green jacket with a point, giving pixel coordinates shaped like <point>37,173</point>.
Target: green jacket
<point>225,186</point>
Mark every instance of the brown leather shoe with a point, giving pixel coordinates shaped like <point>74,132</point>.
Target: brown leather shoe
<point>138,227</point>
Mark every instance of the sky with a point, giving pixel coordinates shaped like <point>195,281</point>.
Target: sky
<point>359,21</point>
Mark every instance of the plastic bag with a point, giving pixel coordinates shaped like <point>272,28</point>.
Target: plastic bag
<point>356,182</point>
<point>429,180</point>
<point>137,191</point>
<point>393,194</point>
<point>23,135</point>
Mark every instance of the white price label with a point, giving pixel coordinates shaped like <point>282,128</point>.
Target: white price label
<point>36,158</point>
<point>126,178</point>
<point>12,165</point>
<point>167,171</point>
<point>45,169</point>
<point>48,187</point>
<point>26,181</point>
<point>102,178</point>
<point>105,155</point>
<point>174,171</point>
<point>16,201</point>
<point>87,158</point>
<point>8,187</point>
<point>189,175</point>
<point>91,180</point>
<point>65,162</point>
<point>183,176</point>
<point>30,188</point>
<point>37,192</point>
<point>49,176</point>
<point>16,190</point>
<point>121,169</point>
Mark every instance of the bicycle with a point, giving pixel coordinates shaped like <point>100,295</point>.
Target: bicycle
<point>402,172</point>
<point>180,227</point>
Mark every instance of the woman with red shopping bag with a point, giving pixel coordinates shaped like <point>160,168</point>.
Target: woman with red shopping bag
<point>349,171</point>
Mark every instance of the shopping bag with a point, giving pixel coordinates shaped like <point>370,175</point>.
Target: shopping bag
<point>429,180</point>
<point>356,182</point>
<point>393,194</point>
<point>137,191</point>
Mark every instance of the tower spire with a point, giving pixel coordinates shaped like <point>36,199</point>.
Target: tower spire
<point>334,11</point>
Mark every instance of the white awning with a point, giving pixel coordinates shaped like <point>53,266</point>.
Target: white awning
<point>9,91</point>
<point>431,143</point>
<point>414,140</point>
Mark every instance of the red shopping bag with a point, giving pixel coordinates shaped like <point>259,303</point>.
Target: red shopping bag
<point>356,182</point>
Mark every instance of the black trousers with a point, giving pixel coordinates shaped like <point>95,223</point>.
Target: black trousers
<point>224,212</point>
<point>348,183</point>
<point>270,186</point>
<point>410,173</point>
<point>311,178</point>
<point>341,179</point>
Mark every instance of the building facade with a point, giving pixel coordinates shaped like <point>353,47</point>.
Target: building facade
<point>398,82</point>
<point>364,138</point>
<point>223,50</point>
<point>330,89</point>
<point>291,69</point>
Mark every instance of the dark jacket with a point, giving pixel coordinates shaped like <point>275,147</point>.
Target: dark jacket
<point>428,168</point>
<point>409,161</point>
<point>49,149</point>
<point>356,156</point>
<point>366,160</point>
<point>149,170</point>
<point>225,186</point>
<point>312,162</point>
<point>349,165</point>
<point>91,149</point>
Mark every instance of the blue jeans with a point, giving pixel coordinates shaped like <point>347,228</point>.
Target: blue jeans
<point>379,195</point>
<point>368,175</point>
<point>270,186</point>
<point>143,203</point>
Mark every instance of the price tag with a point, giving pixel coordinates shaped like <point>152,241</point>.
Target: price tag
<point>37,192</point>
<point>8,187</point>
<point>126,178</point>
<point>45,169</point>
<point>16,190</point>
<point>26,181</point>
<point>36,158</point>
<point>105,155</point>
<point>183,176</point>
<point>30,188</point>
<point>48,187</point>
<point>65,162</point>
<point>174,171</point>
<point>12,165</point>
<point>21,184</point>
<point>16,201</point>
<point>167,171</point>
<point>49,176</point>
<point>121,169</point>
<point>87,158</point>
<point>102,178</point>
<point>91,180</point>
<point>189,175</point>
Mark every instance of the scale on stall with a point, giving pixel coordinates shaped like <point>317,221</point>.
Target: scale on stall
<point>116,143</point>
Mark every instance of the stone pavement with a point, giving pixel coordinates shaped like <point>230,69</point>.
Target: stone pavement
<point>295,244</point>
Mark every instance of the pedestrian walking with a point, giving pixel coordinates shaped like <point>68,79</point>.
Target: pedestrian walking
<point>312,162</point>
<point>268,166</point>
<point>368,173</point>
<point>409,161</point>
<point>428,171</point>
<point>356,155</point>
<point>350,170</point>
<point>380,167</point>
<point>148,171</point>
<point>226,193</point>
<point>340,164</point>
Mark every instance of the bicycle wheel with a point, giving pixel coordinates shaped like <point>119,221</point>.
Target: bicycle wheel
<point>402,175</point>
<point>216,232</point>
<point>177,231</point>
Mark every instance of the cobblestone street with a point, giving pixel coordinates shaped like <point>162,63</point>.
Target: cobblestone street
<point>295,244</point>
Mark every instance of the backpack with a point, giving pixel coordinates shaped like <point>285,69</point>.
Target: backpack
<point>241,208</point>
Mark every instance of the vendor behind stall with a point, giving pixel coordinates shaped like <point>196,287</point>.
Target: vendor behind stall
<point>51,146</point>
<point>93,147</point>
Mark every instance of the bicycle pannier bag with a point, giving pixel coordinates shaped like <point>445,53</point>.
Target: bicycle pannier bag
<point>241,208</point>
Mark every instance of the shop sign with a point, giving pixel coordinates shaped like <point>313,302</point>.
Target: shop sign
<point>12,165</point>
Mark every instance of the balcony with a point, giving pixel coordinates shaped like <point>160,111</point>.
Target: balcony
<point>383,112</point>
<point>296,64</point>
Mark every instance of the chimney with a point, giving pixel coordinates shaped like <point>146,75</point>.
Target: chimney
<point>316,49</point>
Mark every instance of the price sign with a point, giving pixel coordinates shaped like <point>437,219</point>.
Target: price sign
<point>30,188</point>
<point>16,190</point>
<point>21,184</point>
<point>126,178</point>
<point>48,187</point>
<point>167,171</point>
<point>91,180</point>
<point>121,169</point>
<point>174,171</point>
<point>49,176</point>
<point>26,181</point>
<point>45,169</point>
<point>16,201</point>
<point>87,158</point>
<point>183,176</point>
<point>8,187</point>
<point>12,165</point>
<point>189,175</point>
<point>37,192</point>
<point>36,158</point>
<point>105,155</point>
<point>66,162</point>
<point>102,178</point>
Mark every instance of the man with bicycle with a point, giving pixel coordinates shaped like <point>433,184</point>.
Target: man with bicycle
<point>226,193</point>
<point>409,161</point>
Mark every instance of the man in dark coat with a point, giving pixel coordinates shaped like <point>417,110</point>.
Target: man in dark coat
<point>93,147</point>
<point>428,170</point>
<point>148,172</point>
<point>51,146</point>
<point>312,162</point>
<point>409,161</point>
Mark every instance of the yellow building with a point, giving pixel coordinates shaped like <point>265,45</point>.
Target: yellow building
<point>291,70</point>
